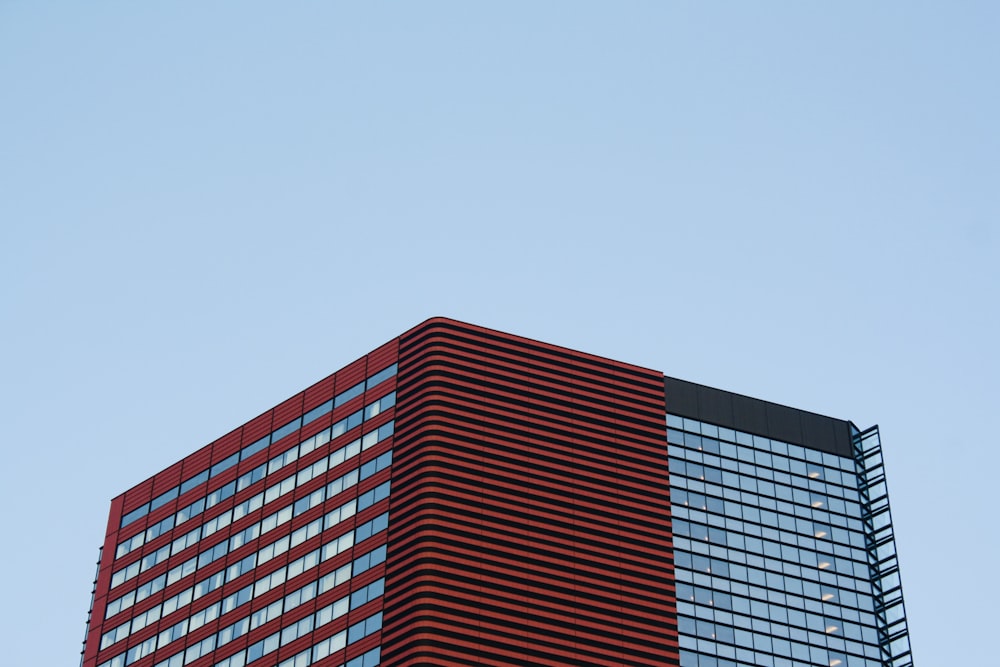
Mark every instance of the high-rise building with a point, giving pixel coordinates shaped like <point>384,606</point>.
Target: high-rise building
<point>463,496</point>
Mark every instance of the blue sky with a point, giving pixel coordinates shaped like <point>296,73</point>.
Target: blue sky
<point>205,207</point>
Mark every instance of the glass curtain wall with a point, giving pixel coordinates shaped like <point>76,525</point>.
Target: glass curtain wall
<point>771,553</point>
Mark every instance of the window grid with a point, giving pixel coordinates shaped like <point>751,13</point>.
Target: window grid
<point>234,630</point>
<point>259,445</point>
<point>278,461</point>
<point>211,539</point>
<point>253,504</point>
<point>769,553</point>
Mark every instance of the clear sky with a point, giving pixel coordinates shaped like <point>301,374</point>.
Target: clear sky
<point>207,206</point>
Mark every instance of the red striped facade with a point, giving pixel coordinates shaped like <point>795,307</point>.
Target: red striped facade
<point>529,517</point>
<point>530,507</point>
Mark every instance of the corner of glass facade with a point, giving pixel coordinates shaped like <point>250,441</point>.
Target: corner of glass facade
<point>880,545</point>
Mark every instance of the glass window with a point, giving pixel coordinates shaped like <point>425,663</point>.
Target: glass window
<point>288,428</point>
<point>255,447</point>
<point>224,464</point>
<point>381,376</point>
<point>348,394</point>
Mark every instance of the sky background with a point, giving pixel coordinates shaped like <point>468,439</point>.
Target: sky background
<point>207,206</point>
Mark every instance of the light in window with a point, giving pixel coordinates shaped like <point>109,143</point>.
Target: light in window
<point>823,565</point>
<point>835,662</point>
<point>831,628</point>
<point>818,503</point>
<point>820,533</point>
<point>827,597</point>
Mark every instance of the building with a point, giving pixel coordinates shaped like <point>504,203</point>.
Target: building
<point>462,496</point>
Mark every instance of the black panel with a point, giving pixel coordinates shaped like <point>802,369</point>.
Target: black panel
<point>715,402</point>
<point>829,435</point>
<point>682,397</point>
<point>771,420</point>
<point>784,423</point>
<point>749,414</point>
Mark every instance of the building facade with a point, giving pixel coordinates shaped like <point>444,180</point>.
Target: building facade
<point>461,496</point>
